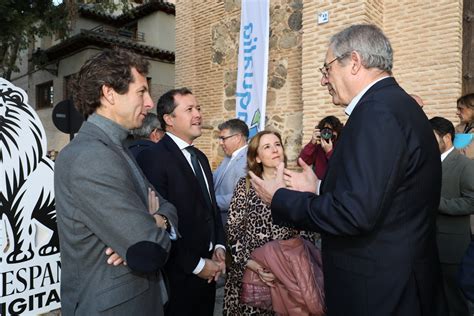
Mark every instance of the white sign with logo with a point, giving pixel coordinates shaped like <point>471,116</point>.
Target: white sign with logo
<point>30,265</point>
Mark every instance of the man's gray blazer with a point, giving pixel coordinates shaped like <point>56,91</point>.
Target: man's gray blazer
<point>225,180</point>
<point>456,204</point>
<point>101,201</point>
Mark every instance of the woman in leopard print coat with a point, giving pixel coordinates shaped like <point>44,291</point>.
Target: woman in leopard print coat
<point>249,223</point>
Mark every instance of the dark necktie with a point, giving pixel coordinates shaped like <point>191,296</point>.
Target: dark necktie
<point>202,184</point>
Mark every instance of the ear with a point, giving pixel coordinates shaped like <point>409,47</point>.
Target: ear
<point>154,136</point>
<point>108,93</point>
<point>258,160</point>
<point>356,62</point>
<point>168,118</point>
<point>447,139</point>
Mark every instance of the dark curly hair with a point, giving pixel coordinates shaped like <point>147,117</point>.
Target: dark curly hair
<point>111,67</point>
<point>252,152</point>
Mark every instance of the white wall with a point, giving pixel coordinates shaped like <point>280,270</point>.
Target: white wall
<point>159,29</point>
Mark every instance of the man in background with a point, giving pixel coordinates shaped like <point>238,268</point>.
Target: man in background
<point>233,135</point>
<point>181,173</point>
<point>148,134</point>
<point>452,222</point>
<point>102,199</point>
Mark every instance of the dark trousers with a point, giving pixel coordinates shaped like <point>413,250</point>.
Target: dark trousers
<point>189,295</point>
<point>457,303</point>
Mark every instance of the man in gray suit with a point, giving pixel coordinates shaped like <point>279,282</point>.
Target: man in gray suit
<point>456,204</point>
<point>233,135</point>
<point>103,200</point>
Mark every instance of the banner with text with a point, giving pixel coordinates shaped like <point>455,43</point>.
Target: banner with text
<point>251,95</point>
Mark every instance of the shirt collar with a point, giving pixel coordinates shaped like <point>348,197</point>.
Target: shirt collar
<point>179,142</point>
<point>357,98</point>
<point>235,153</point>
<point>446,153</point>
<point>116,132</point>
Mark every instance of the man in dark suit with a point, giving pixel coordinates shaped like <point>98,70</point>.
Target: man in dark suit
<point>376,206</point>
<point>181,173</point>
<point>456,204</point>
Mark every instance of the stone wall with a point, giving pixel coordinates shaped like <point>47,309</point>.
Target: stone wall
<point>207,36</point>
<point>426,37</point>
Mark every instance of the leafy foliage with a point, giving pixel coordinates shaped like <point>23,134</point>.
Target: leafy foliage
<point>23,21</point>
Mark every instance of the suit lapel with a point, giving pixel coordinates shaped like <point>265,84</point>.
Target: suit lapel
<point>178,155</point>
<point>186,167</point>
<point>207,171</point>
<point>450,160</point>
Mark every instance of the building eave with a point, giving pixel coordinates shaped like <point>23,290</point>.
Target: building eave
<point>130,16</point>
<point>89,38</point>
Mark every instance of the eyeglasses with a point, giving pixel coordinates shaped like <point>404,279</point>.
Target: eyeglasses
<point>325,68</point>
<point>223,138</point>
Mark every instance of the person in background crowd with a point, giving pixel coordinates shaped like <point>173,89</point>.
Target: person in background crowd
<point>148,134</point>
<point>318,151</point>
<point>376,207</point>
<point>102,200</point>
<point>233,135</point>
<point>465,112</point>
<point>249,224</point>
<point>182,174</point>
<point>452,222</point>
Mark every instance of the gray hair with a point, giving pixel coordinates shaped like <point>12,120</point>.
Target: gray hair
<point>150,123</point>
<point>235,126</point>
<point>369,41</point>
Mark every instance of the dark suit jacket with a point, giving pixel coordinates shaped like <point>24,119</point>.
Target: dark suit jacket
<point>168,170</point>
<point>139,145</point>
<point>466,273</point>
<point>457,203</point>
<point>376,211</point>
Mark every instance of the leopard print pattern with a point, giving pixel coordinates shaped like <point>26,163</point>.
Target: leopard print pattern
<point>249,226</point>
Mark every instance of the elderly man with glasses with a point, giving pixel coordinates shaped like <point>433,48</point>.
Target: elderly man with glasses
<point>233,136</point>
<point>376,207</point>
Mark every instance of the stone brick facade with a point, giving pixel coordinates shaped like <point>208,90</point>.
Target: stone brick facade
<point>426,37</point>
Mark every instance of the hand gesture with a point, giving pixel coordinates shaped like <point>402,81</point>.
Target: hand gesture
<point>266,276</point>
<point>209,271</point>
<point>219,257</point>
<point>114,258</point>
<point>327,145</point>
<point>305,181</point>
<point>153,207</point>
<point>266,188</point>
<point>316,136</point>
